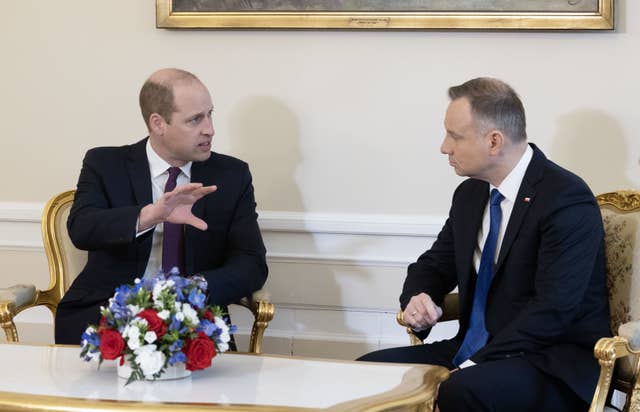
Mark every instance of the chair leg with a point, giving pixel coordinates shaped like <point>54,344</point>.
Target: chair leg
<point>7,312</point>
<point>263,316</point>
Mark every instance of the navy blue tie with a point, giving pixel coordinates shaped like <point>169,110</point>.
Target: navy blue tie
<point>477,335</point>
<point>173,235</point>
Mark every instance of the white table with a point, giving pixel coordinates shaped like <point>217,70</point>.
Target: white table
<point>54,378</point>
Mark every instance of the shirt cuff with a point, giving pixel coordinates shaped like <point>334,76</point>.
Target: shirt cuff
<point>466,364</point>
<point>138,233</point>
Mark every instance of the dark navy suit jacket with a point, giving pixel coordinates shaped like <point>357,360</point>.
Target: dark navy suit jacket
<point>548,300</point>
<point>114,185</point>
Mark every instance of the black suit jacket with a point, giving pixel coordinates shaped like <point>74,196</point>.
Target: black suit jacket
<point>114,185</point>
<point>548,300</point>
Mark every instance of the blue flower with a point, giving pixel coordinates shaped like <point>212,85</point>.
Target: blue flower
<point>176,346</point>
<point>208,327</point>
<point>175,323</point>
<point>178,357</point>
<point>92,338</point>
<point>196,298</point>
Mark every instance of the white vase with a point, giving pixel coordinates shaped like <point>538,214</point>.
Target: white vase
<point>177,371</point>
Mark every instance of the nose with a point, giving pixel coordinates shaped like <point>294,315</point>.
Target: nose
<point>208,127</point>
<point>445,147</point>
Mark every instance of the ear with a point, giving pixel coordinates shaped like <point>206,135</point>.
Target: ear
<point>496,140</point>
<point>157,125</point>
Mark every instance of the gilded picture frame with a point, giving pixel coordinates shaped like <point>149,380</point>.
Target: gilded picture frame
<point>386,14</point>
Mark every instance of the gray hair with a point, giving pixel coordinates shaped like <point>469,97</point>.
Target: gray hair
<point>495,105</point>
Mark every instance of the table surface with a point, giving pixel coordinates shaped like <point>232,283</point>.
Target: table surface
<point>254,381</point>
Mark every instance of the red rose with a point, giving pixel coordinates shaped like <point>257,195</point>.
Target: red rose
<point>208,315</point>
<point>200,351</point>
<point>111,344</point>
<point>156,324</point>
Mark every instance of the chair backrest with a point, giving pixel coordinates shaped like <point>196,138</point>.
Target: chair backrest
<point>65,260</point>
<point>621,218</point>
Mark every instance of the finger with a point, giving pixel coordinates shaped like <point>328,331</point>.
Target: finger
<point>196,222</point>
<point>432,314</point>
<point>186,188</point>
<point>422,304</point>
<point>203,191</point>
<point>429,309</point>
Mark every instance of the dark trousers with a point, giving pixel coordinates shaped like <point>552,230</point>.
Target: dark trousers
<point>502,385</point>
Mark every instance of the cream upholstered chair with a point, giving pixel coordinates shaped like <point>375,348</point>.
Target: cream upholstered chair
<point>618,356</point>
<point>65,262</point>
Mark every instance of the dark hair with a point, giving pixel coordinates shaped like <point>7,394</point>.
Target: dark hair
<point>494,105</point>
<point>157,96</point>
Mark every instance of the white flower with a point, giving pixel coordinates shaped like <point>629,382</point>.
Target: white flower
<point>190,314</point>
<point>131,333</point>
<point>150,337</point>
<point>224,328</point>
<point>135,309</point>
<point>149,359</point>
<point>161,286</point>
<point>164,314</point>
<point>180,316</point>
<point>223,347</point>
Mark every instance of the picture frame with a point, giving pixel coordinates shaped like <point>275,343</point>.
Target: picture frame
<point>386,14</point>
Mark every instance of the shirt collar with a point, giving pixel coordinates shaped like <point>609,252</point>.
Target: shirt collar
<point>511,184</point>
<point>158,166</point>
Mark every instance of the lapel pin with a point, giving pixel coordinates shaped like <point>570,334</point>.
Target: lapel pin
<point>527,199</point>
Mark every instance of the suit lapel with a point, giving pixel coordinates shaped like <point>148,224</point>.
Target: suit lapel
<point>526,196</point>
<point>198,175</point>
<point>470,222</point>
<point>139,174</point>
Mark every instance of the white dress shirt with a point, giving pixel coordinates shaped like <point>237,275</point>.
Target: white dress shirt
<point>159,176</point>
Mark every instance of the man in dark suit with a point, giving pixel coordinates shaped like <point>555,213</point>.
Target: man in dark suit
<point>151,206</point>
<point>524,244</point>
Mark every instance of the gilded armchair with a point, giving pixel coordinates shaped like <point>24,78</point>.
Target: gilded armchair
<point>618,356</point>
<point>65,262</point>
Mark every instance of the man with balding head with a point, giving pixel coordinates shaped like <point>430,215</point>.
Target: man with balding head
<point>166,201</point>
<point>524,245</point>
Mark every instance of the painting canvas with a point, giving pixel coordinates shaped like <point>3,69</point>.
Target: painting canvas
<point>384,5</point>
<point>392,14</point>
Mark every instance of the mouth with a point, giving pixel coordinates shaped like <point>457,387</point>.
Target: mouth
<point>205,146</point>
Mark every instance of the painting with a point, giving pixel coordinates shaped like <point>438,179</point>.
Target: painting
<point>387,14</point>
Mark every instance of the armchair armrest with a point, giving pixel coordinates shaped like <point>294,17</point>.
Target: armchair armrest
<point>13,300</point>
<point>450,311</point>
<point>263,310</point>
<point>607,351</point>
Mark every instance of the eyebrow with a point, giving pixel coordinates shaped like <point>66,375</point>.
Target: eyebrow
<point>452,133</point>
<point>200,114</point>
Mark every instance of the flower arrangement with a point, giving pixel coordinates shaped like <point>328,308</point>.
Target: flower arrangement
<point>156,323</point>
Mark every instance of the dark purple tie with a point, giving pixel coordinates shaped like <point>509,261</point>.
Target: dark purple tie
<point>173,236</point>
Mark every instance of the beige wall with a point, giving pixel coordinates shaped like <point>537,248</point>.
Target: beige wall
<point>330,121</point>
<point>333,123</point>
